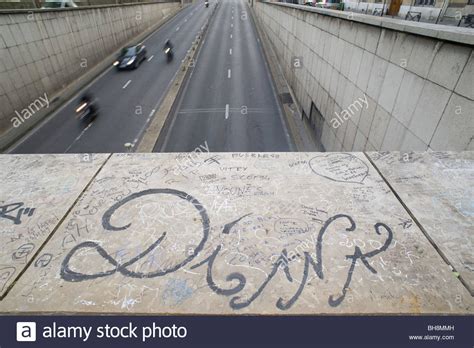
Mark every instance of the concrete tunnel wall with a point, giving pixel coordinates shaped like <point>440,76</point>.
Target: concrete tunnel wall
<point>418,78</point>
<point>47,51</point>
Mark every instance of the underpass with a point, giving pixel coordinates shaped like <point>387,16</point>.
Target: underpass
<point>127,99</point>
<point>229,100</point>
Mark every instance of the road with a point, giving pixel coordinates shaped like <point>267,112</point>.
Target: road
<point>126,98</point>
<point>229,102</point>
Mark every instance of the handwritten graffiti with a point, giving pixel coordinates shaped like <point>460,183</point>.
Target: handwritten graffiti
<point>69,275</point>
<point>340,167</point>
<point>5,211</point>
<point>311,261</point>
<point>5,275</point>
<point>43,260</point>
<point>22,253</point>
<point>281,264</point>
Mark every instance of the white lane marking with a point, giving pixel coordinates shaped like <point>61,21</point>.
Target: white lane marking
<point>231,25</point>
<point>185,20</point>
<point>232,17</point>
<point>193,112</point>
<point>79,136</point>
<point>177,28</point>
<point>230,51</point>
<point>151,113</point>
<point>231,36</point>
<point>229,74</point>
<point>149,59</point>
<point>126,85</point>
<point>226,111</point>
<point>201,111</point>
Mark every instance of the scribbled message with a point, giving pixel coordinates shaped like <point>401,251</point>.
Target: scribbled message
<point>36,192</point>
<point>236,302</point>
<point>224,234</point>
<point>340,167</point>
<point>14,212</point>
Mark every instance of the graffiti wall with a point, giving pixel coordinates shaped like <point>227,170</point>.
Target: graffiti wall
<point>266,233</point>
<point>442,203</point>
<point>36,192</point>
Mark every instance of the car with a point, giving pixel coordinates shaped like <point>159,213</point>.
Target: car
<point>131,57</point>
<point>58,4</point>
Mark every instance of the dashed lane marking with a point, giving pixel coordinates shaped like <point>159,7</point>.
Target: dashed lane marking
<point>79,136</point>
<point>126,85</point>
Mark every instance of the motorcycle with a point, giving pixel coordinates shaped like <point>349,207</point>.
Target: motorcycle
<point>87,111</point>
<point>207,3</point>
<point>169,54</point>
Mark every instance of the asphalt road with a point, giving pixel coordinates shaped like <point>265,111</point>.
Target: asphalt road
<point>126,98</point>
<point>229,101</point>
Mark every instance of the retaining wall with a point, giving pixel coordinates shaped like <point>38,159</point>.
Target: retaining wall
<point>391,84</point>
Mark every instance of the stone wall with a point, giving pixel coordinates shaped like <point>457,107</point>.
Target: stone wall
<point>376,83</point>
<point>44,52</point>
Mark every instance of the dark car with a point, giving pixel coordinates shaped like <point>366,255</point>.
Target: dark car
<point>131,57</point>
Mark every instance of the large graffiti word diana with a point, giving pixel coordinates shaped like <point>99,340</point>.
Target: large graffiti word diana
<point>314,264</point>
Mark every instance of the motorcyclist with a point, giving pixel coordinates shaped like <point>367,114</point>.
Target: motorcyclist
<point>168,44</point>
<point>168,48</point>
<point>86,98</point>
<point>89,100</point>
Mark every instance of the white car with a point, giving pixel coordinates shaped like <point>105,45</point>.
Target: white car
<point>58,4</point>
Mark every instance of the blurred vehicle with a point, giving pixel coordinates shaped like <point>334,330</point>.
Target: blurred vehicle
<point>87,110</point>
<point>168,49</point>
<point>309,3</point>
<point>131,57</point>
<point>58,4</point>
